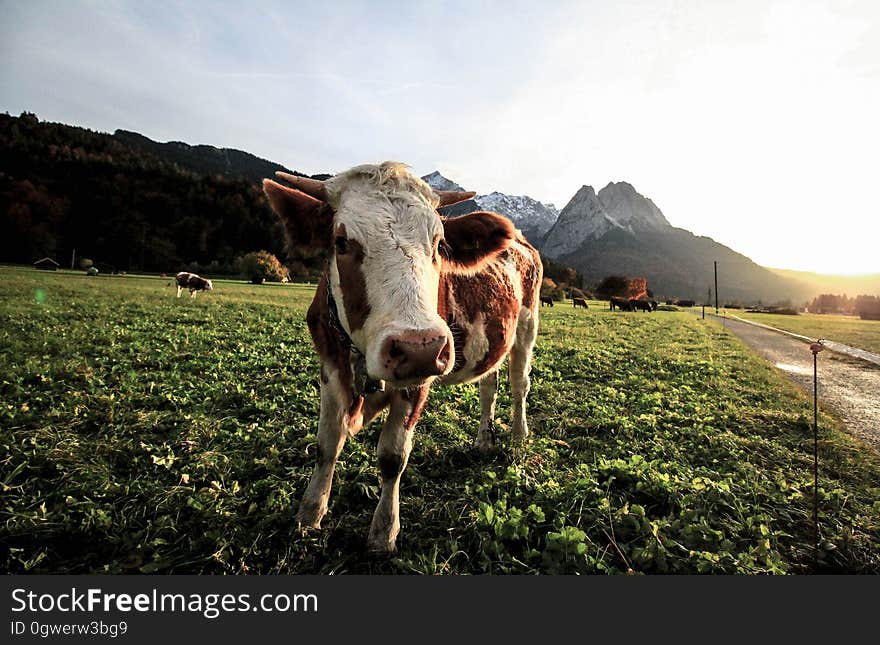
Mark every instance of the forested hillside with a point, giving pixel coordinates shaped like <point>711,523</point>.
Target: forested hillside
<point>64,188</point>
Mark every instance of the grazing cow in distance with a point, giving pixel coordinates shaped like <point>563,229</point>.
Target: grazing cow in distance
<point>579,302</point>
<point>193,282</point>
<point>546,300</point>
<point>684,303</point>
<point>620,303</point>
<point>640,305</point>
<point>408,299</point>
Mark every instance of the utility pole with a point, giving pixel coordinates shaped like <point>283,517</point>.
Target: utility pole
<point>716,287</point>
<point>72,259</point>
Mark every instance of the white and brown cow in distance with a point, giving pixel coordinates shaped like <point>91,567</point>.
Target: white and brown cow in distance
<point>411,299</point>
<point>193,282</point>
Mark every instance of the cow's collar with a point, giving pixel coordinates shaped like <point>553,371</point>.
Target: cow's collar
<point>362,382</point>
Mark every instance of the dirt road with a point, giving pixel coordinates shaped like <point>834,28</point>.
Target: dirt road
<point>848,386</point>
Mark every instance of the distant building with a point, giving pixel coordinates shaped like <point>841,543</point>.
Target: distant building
<point>46,264</point>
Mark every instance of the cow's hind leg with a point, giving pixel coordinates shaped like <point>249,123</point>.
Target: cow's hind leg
<point>488,394</point>
<point>332,432</point>
<point>520,367</point>
<point>179,289</point>
<point>395,444</point>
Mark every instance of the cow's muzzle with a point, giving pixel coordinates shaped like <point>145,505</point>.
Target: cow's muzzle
<point>416,355</point>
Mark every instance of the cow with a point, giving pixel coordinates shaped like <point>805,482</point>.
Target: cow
<point>408,299</point>
<point>640,305</point>
<point>579,302</point>
<point>620,303</point>
<point>546,300</point>
<point>193,282</point>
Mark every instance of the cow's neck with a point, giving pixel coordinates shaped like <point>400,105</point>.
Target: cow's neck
<point>362,383</point>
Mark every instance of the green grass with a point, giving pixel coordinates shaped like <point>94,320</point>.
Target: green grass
<point>852,331</point>
<point>142,433</point>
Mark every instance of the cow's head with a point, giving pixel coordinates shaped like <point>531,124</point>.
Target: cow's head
<point>208,285</point>
<point>387,247</point>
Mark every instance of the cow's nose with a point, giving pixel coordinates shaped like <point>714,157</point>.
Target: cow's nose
<point>416,354</point>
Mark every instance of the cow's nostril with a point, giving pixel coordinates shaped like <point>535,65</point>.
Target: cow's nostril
<point>395,351</point>
<point>443,357</point>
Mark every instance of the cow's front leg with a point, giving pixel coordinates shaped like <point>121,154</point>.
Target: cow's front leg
<point>488,395</point>
<point>395,444</point>
<point>192,293</point>
<point>179,289</point>
<point>332,431</point>
<point>520,368</point>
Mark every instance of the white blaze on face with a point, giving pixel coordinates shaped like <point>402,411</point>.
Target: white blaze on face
<point>398,235</point>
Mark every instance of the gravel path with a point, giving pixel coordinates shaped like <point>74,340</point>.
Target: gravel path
<point>848,386</point>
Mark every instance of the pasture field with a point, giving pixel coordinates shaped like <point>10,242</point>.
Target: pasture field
<point>142,433</point>
<point>850,330</point>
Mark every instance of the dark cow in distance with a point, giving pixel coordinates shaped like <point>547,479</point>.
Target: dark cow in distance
<point>620,303</point>
<point>193,282</point>
<point>641,305</point>
<point>408,299</point>
<point>579,302</point>
<point>546,300</point>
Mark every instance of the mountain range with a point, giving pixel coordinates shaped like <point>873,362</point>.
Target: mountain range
<point>618,231</point>
<point>144,205</point>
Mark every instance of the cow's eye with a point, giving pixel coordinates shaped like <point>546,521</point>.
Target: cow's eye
<point>438,249</point>
<point>341,245</point>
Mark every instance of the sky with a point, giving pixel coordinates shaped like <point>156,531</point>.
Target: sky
<point>752,122</point>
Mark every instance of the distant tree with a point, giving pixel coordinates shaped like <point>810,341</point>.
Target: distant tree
<point>612,286</point>
<point>262,266</point>
<point>829,303</point>
<point>867,307</point>
<point>637,288</point>
<point>562,274</point>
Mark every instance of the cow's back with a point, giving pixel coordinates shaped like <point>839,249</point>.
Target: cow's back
<point>483,308</point>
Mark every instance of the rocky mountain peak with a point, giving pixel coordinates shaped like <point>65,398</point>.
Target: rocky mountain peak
<point>583,218</point>
<point>630,209</point>
<point>529,215</point>
<point>438,182</point>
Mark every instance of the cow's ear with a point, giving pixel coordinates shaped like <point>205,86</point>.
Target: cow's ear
<point>476,238</point>
<point>308,221</point>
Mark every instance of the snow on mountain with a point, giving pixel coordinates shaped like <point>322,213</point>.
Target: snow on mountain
<point>529,215</point>
<point>438,182</point>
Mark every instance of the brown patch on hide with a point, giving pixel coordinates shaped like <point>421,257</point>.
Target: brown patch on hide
<point>490,294</point>
<point>417,399</point>
<point>475,239</point>
<point>356,413</point>
<point>532,272</point>
<point>326,340</point>
<point>352,282</point>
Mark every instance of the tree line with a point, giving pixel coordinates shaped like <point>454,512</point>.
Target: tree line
<point>64,188</point>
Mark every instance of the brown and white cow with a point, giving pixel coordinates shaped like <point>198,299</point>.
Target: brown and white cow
<point>193,282</point>
<point>408,299</point>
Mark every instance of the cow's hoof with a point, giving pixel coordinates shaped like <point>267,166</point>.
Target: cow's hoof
<point>381,548</point>
<point>310,518</point>
<point>484,444</point>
